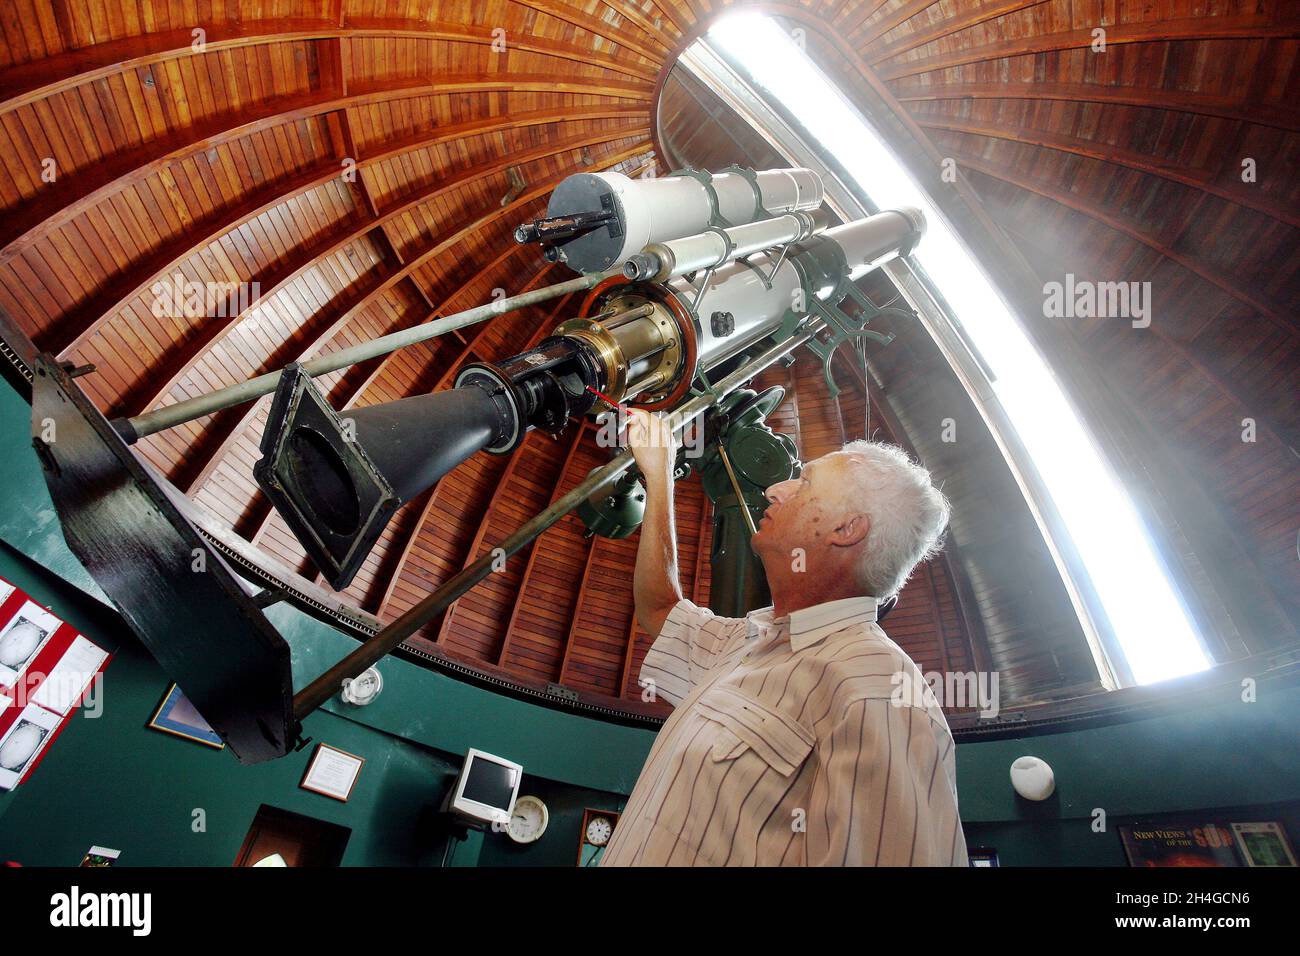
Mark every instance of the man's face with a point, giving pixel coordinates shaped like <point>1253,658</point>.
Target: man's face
<point>808,512</point>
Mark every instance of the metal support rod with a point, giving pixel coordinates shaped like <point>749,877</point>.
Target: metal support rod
<point>704,287</point>
<point>371,651</point>
<point>780,259</point>
<point>735,487</point>
<point>627,315</point>
<point>214,401</point>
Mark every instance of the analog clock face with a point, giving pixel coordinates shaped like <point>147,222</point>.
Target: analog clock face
<point>528,821</point>
<point>599,830</point>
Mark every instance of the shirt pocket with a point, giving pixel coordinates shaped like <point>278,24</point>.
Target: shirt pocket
<point>748,724</point>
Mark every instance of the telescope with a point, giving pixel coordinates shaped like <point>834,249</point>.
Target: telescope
<point>695,272</point>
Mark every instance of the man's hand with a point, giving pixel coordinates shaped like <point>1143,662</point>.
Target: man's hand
<point>652,442</point>
<point>655,586</point>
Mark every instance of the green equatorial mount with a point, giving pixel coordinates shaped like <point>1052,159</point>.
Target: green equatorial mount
<point>735,432</point>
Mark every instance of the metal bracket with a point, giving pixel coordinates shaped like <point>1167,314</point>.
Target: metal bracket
<point>704,287</point>
<point>841,328</point>
<point>751,177</point>
<point>705,179</point>
<point>779,261</point>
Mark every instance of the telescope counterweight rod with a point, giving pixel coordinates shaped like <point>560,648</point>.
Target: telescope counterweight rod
<point>187,411</point>
<point>385,641</point>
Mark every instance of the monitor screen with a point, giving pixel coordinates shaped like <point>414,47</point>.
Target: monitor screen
<point>489,783</point>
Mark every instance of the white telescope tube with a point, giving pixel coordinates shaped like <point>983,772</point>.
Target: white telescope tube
<point>672,207</point>
<point>746,301</point>
<point>661,261</point>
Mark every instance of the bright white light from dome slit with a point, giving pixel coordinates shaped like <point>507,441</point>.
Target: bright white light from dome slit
<point>1152,628</point>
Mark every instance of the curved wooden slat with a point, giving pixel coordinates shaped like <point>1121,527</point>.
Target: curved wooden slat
<point>1239,27</point>
<point>556,492</point>
<point>706,524</point>
<point>1182,101</point>
<point>472,552</point>
<point>48,210</point>
<point>943,28</point>
<point>851,17</point>
<point>1131,159</point>
<point>899,15</point>
<point>391,254</point>
<point>675,16</point>
<point>569,14</point>
<point>88,320</point>
<point>30,82</point>
<point>631,11</point>
<point>625,674</point>
<point>1278,315</point>
<point>593,546</point>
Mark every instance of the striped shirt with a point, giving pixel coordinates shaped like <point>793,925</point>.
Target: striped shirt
<point>790,743</point>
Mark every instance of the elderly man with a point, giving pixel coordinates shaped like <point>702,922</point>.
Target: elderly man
<point>790,742</point>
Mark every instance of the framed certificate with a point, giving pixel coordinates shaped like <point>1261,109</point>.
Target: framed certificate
<point>332,772</point>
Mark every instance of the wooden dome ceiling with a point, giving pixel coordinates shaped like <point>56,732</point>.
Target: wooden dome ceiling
<point>359,165</point>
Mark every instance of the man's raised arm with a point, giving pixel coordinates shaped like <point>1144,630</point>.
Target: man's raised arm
<point>655,585</point>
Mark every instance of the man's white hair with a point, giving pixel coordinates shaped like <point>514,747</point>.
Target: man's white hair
<point>908,514</point>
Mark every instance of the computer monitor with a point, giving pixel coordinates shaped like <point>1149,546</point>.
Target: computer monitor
<point>486,789</point>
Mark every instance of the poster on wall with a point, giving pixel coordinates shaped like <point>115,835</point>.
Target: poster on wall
<point>22,637</point>
<point>65,684</point>
<point>23,742</point>
<point>46,669</point>
<point>1264,844</point>
<point>1178,844</point>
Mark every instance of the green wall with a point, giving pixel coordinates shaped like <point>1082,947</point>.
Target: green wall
<point>1240,760</point>
<point>113,782</point>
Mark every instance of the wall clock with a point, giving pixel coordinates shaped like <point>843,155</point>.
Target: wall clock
<point>528,820</point>
<point>594,836</point>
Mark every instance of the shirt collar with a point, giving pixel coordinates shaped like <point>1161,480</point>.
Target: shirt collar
<point>811,625</point>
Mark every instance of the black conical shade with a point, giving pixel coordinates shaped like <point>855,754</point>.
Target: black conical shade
<point>338,478</point>
<point>415,441</point>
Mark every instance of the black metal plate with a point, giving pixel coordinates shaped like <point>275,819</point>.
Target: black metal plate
<point>298,405</point>
<point>201,625</point>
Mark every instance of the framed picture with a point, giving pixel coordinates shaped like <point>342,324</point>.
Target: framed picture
<point>23,743</point>
<point>1178,844</point>
<point>177,716</point>
<point>22,637</point>
<point>1263,844</point>
<point>332,772</point>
